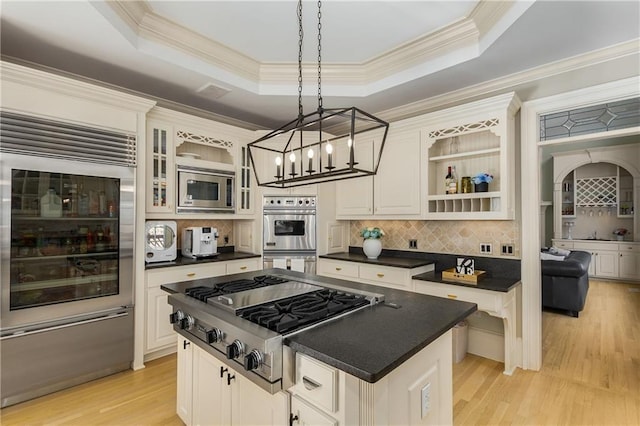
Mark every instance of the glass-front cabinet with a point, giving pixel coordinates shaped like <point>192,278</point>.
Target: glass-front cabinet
<point>160,168</point>
<point>64,238</point>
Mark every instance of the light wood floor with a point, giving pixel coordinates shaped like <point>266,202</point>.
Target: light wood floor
<point>590,376</point>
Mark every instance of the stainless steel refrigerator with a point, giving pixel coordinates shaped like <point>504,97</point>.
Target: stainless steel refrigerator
<point>66,265</point>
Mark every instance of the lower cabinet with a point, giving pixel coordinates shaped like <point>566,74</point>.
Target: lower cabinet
<point>418,392</point>
<point>159,335</point>
<point>384,276</point>
<point>629,265</point>
<point>209,392</point>
<point>609,259</point>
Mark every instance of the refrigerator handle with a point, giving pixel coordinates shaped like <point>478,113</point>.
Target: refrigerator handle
<point>61,326</point>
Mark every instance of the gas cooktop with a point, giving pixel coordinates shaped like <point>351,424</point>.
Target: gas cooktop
<point>244,320</point>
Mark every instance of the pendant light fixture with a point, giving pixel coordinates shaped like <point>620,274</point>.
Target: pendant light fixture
<point>335,143</point>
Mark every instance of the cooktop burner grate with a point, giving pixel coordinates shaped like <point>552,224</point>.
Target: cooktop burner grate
<point>295,312</point>
<point>204,292</point>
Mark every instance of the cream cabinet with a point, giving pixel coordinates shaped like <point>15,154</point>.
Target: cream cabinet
<point>474,138</point>
<point>210,392</point>
<point>629,261</point>
<point>324,395</point>
<point>243,265</point>
<point>609,259</point>
<point>395,191</point>
<point>159,334</point>
<point>177,139</point>
<point>384,276</point>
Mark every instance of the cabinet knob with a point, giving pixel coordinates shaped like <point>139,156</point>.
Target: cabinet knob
<point>191,274</point>
<point>380,275</point>
<point>338,269</point>
<point>242,268</point>
<point>452,296</point>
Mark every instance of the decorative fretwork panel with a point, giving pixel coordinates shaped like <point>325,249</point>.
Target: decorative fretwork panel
<point>464,128</point>
<point>183,137</point>
<point>592,119</point>
<point>596,192</point>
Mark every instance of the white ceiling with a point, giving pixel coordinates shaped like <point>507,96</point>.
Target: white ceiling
<point>377,55</point>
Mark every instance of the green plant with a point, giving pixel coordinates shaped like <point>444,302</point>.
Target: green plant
<point>372,232</point>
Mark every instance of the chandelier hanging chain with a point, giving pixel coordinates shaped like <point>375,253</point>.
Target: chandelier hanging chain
<point>295,138</point>
<point>300,37</point>
<point>319,55</point>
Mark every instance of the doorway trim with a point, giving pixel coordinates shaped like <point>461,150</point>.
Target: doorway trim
<point>530,193</point>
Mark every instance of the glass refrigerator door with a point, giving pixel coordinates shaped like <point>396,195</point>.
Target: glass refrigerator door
<point>64,238</point>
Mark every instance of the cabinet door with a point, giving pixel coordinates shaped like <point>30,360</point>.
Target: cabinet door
<point>211,393</point>
<point>244,231</point>
<point>354,197</point>
<point>244,183</point>
<point>160,332</point>
<point>397,183</point>
<point>607,264</point>
<point>160,168</point>
<point>629,265</point>
<point>252,406</point>
<point>307,415</point>
<point>184,380</point>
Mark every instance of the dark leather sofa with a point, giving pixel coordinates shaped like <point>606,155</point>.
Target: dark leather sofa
<point>565,282</point>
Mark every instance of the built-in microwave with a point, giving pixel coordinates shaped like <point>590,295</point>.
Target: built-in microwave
<point>203,190</point>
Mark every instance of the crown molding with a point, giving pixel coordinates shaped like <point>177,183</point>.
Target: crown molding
<point>447,46</point>
<point>511,81</point>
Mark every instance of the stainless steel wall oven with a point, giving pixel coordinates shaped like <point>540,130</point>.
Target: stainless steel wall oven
<point>289,232</point>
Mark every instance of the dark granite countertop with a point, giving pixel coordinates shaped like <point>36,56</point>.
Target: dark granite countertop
<point>502,274</point>
<point>224,255</point>
<point>395,261</point>
<point>489,283</point>
<point>373,341</point>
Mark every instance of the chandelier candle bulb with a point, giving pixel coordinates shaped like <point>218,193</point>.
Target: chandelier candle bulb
<point>351,153</point>
<point>278,164</point>
<point>310,155</point>
<point>292,158</point>
<point>330,156</point>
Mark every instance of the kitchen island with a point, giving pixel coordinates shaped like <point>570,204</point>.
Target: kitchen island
<point>387,361</point>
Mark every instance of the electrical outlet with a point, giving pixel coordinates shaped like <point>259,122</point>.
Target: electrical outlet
<point>426,399</point>
<point>507,250</point>
<point>485,248</point>
<point>413,244</point>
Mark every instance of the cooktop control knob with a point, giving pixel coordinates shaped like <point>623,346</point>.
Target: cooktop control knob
<point>176,317</point>
<point>214,335</point>
<point>253,360</point>
<point>235,349</point>
<point>187,323</point>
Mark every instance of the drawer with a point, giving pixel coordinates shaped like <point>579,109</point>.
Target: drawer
<point>337,268</point>
<point>629,248</point>
<point>173,274</point>
<point>588,246</point>
<point>487,300</point>
<point>317,383</point>
<point>386,276</point>
<point>309,415</point>
<point>245,265</point>
<point>563,244</point>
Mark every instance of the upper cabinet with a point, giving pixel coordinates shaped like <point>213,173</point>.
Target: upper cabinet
<point>394,192</point>
<point>472,139</point>
<point>175,140</point>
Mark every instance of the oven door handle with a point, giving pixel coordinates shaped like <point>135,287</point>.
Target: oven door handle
<point>289,212</point>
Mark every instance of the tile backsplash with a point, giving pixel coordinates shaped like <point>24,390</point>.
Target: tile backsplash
<point>456,237</point>
<point>224,227</point>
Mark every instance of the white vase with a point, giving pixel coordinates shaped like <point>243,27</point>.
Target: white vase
<point>620,237</point>
<point>372,247</point>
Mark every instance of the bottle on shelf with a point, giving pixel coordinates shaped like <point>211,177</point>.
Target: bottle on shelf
<point>451,181</point>
<point>51,204</point>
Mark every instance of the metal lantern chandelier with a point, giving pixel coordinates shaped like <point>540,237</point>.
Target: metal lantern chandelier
<point>327,145</point>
